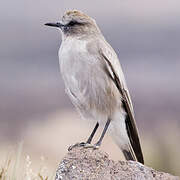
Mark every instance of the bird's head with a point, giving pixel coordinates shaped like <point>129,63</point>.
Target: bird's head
<point>76,23</point>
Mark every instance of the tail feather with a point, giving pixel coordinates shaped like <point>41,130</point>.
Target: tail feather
<point>129,153</point>
<point>134,146</point>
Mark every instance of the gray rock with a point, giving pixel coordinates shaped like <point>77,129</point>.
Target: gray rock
<point>88,164</point>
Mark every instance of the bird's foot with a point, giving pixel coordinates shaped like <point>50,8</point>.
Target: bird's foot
<point>85,145</point>
<point>91,146</point>
<point>82,144</point>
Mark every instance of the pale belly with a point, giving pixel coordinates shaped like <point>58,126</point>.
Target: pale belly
<point>87,84</point>
<point>91,90</point>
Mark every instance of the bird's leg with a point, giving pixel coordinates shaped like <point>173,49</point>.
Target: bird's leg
<point>92,134</point>
<point>88,142</point>
<point>103,133</point>
<point>96,146</point>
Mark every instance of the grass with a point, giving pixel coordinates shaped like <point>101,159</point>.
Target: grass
<point>20,168</point>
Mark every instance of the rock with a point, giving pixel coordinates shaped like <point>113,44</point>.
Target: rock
<point>89,164</point>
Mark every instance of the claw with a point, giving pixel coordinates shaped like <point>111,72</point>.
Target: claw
<point>82,144</point>
<point>85,145</point>
<point>91,146</point>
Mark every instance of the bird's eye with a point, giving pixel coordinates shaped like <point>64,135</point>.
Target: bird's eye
<point>72,23</point>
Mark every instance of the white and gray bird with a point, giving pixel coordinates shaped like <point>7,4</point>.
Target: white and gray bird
<point>95,82</point>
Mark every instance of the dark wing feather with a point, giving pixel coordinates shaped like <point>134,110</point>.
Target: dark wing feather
<point>130,120</point>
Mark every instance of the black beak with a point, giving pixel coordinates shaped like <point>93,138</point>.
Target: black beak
<point>59,25</point>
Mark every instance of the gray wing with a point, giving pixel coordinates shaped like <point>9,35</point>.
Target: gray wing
<point>115,70</point>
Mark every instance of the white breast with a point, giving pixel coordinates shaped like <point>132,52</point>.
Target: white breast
<point>87,84</point>
<point>74,65</point>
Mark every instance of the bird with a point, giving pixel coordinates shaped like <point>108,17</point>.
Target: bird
<point>95,83</point>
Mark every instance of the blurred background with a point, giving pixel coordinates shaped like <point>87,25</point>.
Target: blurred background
<point>33,105</point>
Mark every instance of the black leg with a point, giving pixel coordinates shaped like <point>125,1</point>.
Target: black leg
<point>83,144</point>
<point>103,133</point>
<point>92,134</point>
<point>87,144</point>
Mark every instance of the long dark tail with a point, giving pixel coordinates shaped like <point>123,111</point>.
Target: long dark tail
<point>133,152</point>
<point>129,154</point>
